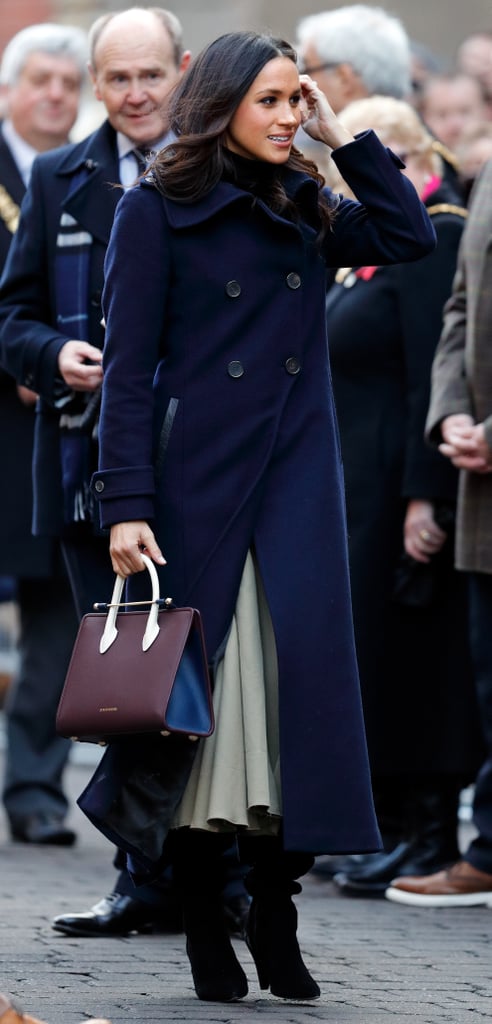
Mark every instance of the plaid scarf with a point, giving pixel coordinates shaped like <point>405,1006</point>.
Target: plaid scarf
<point>79,410</point>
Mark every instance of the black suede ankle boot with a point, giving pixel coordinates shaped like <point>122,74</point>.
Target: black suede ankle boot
<point>197,869</point>
<point>217,973</point>
<point>271,932</point>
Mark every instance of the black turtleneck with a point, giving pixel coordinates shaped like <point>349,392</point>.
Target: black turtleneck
<point>265,182</point>
<point>256,176</point>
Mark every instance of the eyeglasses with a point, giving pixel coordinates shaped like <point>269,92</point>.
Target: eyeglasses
<point>304,70</point>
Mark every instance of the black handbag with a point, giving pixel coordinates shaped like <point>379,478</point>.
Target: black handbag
<point>137,672</point>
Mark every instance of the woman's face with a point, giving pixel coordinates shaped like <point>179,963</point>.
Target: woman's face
<point>265,122</point>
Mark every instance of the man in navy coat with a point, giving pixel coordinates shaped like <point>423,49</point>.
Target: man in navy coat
<point>52,338</point>
<point>42,71</point>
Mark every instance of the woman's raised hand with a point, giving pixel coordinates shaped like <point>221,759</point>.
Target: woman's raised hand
<point>317,117</point>
<point>127,542</point>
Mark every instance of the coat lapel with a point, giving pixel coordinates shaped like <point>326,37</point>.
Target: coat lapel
<point>99,156</point>
<point>183,215</point>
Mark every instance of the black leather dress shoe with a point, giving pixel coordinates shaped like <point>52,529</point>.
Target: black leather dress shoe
<point>329,866</point>
<point>44,829</point>
<point>117,915</point>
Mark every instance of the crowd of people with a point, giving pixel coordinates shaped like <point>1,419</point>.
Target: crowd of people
<point>296,432</point>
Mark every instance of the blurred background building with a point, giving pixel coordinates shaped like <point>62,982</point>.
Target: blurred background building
<point>438,26</point>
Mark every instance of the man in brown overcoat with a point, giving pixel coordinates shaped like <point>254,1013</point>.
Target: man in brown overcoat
<point>460,423</point>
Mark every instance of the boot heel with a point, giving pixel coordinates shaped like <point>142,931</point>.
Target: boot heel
<point>253,942</point>
<point>261,967</point>
<point>271,940</point>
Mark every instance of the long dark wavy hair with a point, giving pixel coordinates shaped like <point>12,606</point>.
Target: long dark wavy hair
<point>200,111</point>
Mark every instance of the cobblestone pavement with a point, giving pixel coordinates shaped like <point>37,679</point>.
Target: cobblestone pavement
<point>376,962</point>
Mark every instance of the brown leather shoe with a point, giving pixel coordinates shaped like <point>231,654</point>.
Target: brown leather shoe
<point>461,885</point>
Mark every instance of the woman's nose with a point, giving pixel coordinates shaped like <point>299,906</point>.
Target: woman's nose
<point>288,115</point>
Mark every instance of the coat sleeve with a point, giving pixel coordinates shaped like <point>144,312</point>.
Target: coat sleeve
<point>134,304</point>
<point>29,344</point>
<point>461,367</point>
<point>449,388</point>
<point>423,289</point>
<point>388,223</point>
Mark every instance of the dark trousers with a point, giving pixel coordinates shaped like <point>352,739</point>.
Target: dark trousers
<point>479,852</point>
<point>36,755</point>
<point>160,892</point>
<point>89,569</point>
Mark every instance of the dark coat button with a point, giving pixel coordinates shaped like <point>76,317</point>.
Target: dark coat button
<point>293,280</point>
<point>233,289</point>
<point>235,368</point>
<point>292,365</point>
<point>99,486</point>
<point>96,298</point>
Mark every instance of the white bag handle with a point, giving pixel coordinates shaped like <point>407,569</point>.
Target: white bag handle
<point>152,627</point>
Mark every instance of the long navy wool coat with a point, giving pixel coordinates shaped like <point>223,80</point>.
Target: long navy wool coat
<point>218,426</point>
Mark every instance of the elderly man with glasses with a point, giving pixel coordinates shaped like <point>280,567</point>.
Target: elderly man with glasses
<point>354,52</point>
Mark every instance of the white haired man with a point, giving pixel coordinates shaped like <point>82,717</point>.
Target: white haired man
<point>355,51</point>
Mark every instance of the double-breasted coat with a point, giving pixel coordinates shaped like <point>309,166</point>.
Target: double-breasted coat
<point>30,337</point>
<point>462,373</point>
<point>218,426</point>
<point>384,324</point>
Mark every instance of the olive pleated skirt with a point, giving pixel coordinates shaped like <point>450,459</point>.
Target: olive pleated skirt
<point>235,780</point>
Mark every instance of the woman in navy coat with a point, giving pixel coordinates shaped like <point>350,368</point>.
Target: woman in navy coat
<point>219,448</point>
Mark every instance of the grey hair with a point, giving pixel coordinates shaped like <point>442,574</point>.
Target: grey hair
<point>47,37</point>
<point>169,21</point>
<point>373,42</point>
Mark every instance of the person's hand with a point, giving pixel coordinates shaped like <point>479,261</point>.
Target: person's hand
<point>26,396</point>
<point>456,426</point>
<point>127,542</point>
<point>464,443</point>
<point>317,117</point>
<point>422,536</point>
<point>80,365</point>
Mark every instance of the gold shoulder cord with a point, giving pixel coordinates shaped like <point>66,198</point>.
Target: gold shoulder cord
<point>460,211</point>
<point>445,153</point>
<point>9,211</point>
<point>345,275</point>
